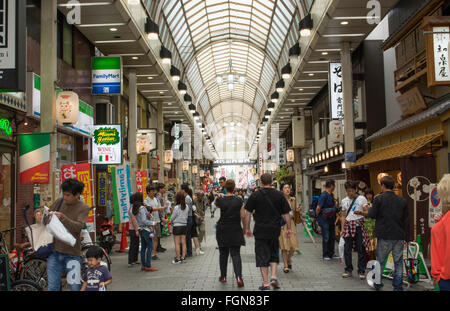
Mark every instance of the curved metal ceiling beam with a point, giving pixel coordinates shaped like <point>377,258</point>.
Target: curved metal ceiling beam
<point>213,42</point>
<point>212,81</point>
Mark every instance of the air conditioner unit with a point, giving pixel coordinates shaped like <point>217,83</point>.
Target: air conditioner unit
<point>298,132</point>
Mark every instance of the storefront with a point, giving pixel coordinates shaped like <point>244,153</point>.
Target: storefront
<point>412,151</point>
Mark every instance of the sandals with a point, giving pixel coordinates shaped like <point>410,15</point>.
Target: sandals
<point>286,270</point>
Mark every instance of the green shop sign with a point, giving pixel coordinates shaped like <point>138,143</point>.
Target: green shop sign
<point>5,127</point>
<point>106,136</point>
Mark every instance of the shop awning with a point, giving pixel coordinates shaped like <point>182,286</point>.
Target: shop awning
<point>402,149</point>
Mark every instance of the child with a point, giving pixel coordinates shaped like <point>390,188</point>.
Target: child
<point>96,276</point>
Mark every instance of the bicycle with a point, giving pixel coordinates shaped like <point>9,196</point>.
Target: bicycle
<point>15,271</point>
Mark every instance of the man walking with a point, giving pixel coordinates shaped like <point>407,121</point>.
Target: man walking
<point>270,207</point>
<point>353,230</point>
<point>161,190</point>
<point>72,212</point>
<point>326,217</point>
<point>391,228</point>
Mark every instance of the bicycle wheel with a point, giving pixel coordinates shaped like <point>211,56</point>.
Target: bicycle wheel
<point>35,269</point>
<point>25,286</point>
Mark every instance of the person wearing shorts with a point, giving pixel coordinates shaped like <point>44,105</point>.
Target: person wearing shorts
<point>179,219</point>
<point>269,207</point>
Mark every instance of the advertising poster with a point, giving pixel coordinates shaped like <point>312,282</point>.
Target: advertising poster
<point>121,188</point>
<point>141,182</point>
<point>84,175</point>
<point>101,182</point>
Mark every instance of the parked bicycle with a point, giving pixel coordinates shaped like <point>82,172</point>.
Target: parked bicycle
<point>18,266</point>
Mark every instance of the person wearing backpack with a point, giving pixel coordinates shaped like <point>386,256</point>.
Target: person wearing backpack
<point>326,217</point>
<point>353,230</point>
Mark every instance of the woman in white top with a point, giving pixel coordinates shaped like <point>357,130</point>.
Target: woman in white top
<point>179,219</point>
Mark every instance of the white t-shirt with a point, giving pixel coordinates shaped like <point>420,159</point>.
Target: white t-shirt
<point>155,204</point>
<point>359,204</point>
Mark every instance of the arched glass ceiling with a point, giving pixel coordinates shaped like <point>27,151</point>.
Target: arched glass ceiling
<point>253,35</point>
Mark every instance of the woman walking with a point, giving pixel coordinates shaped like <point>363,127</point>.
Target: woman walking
<point>179,219</point>
<point>288,245</point>
<point>133,252</point>
<point>229,232</point>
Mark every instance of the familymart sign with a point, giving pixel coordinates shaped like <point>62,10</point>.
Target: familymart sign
<point>107,75</point>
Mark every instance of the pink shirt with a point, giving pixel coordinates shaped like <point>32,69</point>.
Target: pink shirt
<point>131,226</point>
<point>440,249</point>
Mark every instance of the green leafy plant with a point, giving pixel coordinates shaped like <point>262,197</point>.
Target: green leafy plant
<point>281,174</point>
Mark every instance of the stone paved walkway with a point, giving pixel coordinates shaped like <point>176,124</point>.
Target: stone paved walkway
<point>199,273</point>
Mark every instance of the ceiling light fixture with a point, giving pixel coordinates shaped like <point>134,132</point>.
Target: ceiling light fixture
<point>271,106</point>
<point>182,88</point>
<point>286,71</point>
<point>151,29</point>
<point>187,99</point>
<point>113,29</point>
<point>280,86</point>
<point>344,23</point>
<point>306,25</point>
<point>324,53</point>
<point>135,57</point>
<point>166,55</point>
<point>274,97</point>
<point>294,53</point>
<point>175,73</point>
<point>191,108</point>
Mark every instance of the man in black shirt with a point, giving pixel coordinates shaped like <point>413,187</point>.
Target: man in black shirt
<point>270,207</point>
<point>391,228</point>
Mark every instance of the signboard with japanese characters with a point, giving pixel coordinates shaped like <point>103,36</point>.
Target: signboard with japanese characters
<point>411,102</point>
<point>336,91</point>
<point>282,151</point>
<point>437,32</point>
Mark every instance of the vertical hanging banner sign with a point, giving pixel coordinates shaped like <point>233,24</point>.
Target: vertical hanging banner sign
<point>34,157</point>
<point>101,181</point>
<point>441,54</point>
<point>84,175</point>
<point>107,75</point>
<point>121,188</point>
<point>336,94</point>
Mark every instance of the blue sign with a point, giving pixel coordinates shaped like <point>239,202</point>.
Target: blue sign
<point>106,76</point>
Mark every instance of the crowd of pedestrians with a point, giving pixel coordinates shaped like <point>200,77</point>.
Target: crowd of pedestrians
<point>274,230</point>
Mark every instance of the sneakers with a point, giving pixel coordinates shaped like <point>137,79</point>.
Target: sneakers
<point>222,280</point>
<point>176,261</point>
<point>336,257</point>
<point>274,283</point>
<point>199,252</point>
<point>326,258</point>
<point>240,282</point>
<point>264,287</point>
<point>362,276</point>
<point>154,257</point>
<point>346,274</point>
<point>160,250</point>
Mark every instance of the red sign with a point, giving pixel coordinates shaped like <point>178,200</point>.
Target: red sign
<point>141,182</point>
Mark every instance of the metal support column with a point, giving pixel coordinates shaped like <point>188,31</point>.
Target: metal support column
<point>160,130</point>
<point>133,125</point>
<point>48,78</point>
<point>347,86</point>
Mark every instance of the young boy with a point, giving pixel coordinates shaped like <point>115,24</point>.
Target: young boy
<point>96,276</point>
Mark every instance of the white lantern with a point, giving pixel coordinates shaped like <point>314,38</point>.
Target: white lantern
<point>185,165</point>
<point>194,169</point>
<point>290,155</point>
<point>202,173</point>
<point>67,107</point>
<point>145,141</point>
<point>168,156</point>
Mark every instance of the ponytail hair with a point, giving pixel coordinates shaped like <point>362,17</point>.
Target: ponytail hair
<point>138,201</point>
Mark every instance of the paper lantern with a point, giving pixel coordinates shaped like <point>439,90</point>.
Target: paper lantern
<point>168,156</point>
<point>290,155</point>
<point>67,107</point>
<point>185,165</point>
<point>194,169</point>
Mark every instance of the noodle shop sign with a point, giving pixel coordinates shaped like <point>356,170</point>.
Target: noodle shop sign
<point>107,144</point>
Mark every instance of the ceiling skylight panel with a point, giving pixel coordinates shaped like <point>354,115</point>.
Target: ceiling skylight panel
<point>209,119</point>
<point>204,104</point>
<point>188,4</point>
<point>199,16</point>
<point>214,6</point>
<point>195,79</point>
<point>254,118</point>
<point>267,74</point>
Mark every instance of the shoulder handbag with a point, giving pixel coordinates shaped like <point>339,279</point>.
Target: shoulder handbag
<point>45,251</point>
<point>328,213</point>
<point>282,221</point>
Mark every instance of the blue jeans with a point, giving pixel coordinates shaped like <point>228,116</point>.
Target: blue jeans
<point>188,236</point>
<point>146,248</point>
<point>71,264</point>
<point>384,247</point>
<point>328,235</point>
<point>444,285</point>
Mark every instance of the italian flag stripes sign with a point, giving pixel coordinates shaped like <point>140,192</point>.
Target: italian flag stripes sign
<point>34,157</point>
